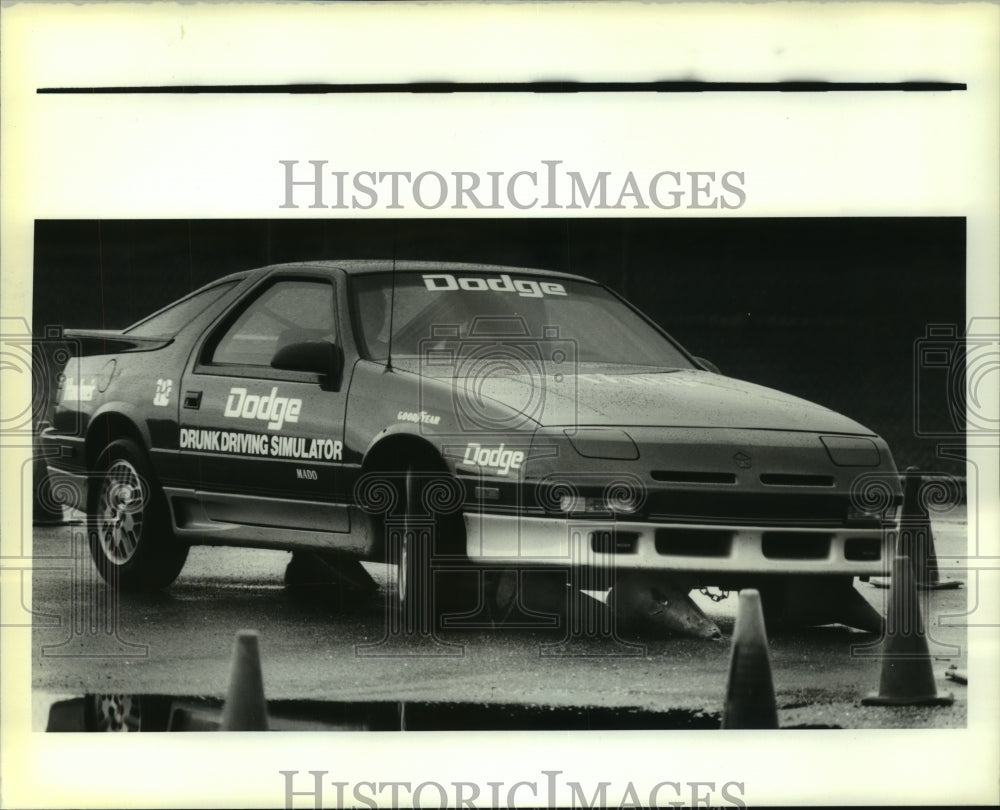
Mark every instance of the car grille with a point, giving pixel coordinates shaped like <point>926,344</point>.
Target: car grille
<point>796,480</point>
<point>693,477</point>
<point>747,508</point>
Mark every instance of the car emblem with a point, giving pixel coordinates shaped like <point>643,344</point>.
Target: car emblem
<point>743,461</point>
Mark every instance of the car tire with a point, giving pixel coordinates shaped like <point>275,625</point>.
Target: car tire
<point>412,541</point>
<point>131,540</point>
<point>426,541</point>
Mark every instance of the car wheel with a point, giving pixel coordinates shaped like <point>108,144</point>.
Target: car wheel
<point>131,540</point>
<point>412,539</point>
<point>426,537</point>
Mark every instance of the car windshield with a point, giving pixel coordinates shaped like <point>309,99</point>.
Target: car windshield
<point>435,314</point>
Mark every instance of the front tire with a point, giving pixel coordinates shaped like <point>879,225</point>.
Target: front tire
<point>427,543</point>
<point>412,542</point>
<point>131,540</point>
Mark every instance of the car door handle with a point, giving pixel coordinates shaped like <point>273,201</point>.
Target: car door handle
<point>192,399</point>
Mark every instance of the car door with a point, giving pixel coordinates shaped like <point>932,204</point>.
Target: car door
<point>266,444</point>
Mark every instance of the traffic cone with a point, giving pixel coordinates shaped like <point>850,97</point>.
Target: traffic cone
<point>907,677</point>
<point>245,708</point>
<point>916,538</point>
<point>750,699</point>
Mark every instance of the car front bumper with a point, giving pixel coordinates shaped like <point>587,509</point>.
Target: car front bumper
<point>520,541</point>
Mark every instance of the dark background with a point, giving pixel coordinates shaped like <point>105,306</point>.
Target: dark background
<point>827,309</point>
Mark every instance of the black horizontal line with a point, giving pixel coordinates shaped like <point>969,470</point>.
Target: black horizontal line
<point>521,87</point>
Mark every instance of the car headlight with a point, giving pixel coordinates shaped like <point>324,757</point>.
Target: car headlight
<point>605,443</point>
<point>851,451</point>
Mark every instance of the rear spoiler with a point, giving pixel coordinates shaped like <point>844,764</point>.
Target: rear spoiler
<point>111,341</point>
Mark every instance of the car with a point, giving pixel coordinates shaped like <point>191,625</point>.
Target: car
<point>467,421</point>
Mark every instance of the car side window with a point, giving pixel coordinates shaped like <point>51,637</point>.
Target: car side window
<point>286,312</point>
<point>171,319</point>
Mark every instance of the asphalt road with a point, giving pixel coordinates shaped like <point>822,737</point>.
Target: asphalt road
<point>179,642</point>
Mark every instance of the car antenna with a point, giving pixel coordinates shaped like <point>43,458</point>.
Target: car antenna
<point>392,307</point>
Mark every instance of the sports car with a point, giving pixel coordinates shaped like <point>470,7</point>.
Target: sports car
<point>462,418</point>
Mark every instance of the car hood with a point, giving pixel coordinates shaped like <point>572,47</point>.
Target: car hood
<point>682,398</point>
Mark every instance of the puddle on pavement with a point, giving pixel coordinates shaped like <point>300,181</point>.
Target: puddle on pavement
<point>179,713</point>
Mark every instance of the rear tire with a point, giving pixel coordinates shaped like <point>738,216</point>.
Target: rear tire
<point>130,534</point>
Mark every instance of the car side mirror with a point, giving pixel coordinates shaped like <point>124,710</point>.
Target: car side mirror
<point>316,356</point>
<point>708,365</point>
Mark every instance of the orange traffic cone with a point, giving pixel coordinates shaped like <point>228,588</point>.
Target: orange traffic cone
<point>750,699</point>
<point>907,677</point>
<point>245,708</point>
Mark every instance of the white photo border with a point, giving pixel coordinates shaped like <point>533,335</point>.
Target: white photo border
<point>217,156</point>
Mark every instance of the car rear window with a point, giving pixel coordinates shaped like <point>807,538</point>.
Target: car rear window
<point>174,317</point>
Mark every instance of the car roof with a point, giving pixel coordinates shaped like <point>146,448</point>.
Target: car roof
<point>365,266</point>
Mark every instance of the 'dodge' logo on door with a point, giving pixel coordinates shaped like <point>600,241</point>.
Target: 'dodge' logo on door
<point>271,408</point>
